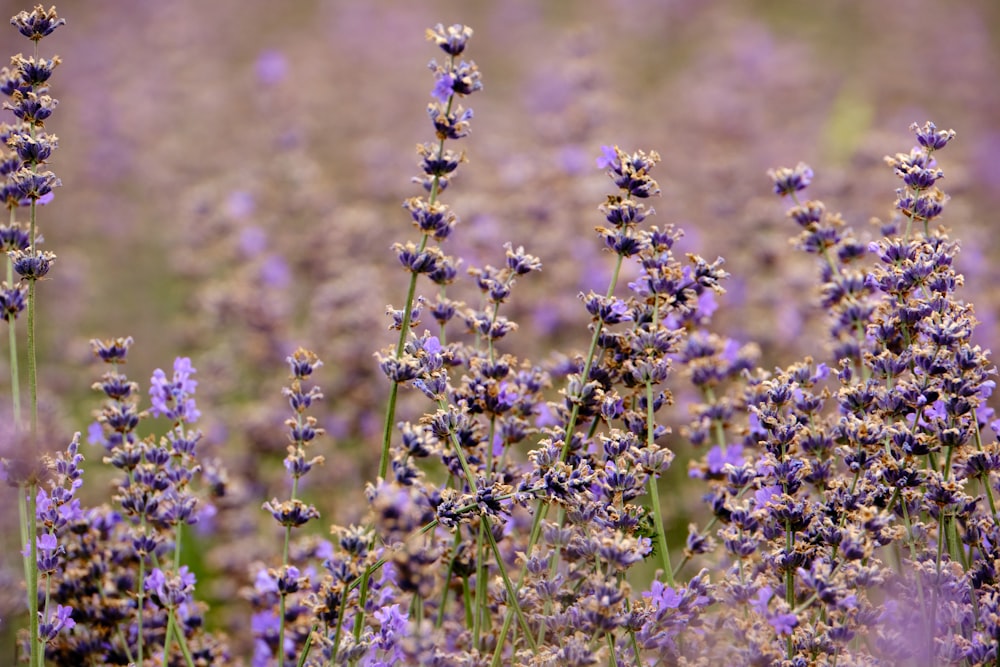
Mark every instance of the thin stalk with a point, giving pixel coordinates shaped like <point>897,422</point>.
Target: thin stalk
<point>447,580</point>
<point>481,609</point>
<point>15,374</point>
<point>141,602</point>
<point>404,330</point>
<point>654,497</point>
<point>336,636</point>
<point>181,641</point>
<point>654,492</point>
<point>37,655</point>
<point>32,359</point>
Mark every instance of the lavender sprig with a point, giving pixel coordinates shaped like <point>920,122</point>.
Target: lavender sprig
<point>293,512</point>
<point>434,220</point>
<point>27,183</point>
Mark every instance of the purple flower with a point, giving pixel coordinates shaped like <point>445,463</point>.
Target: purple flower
<point>253,241</point>
<point>393,625</point>
<point>717,459</point>
<point>663,597</point>
<point>609,159</point>
<point>37,24</point>
<point>95,434</point>
<point>766,494</point>
<point>240,204</point>
<point>760,602</point>
<point>783,623</point>
<point>789,181</point>
<point>274,272</point>
<point>172,399</point>
<point>62,618</point>
<point>444,88</point>
<point>271,67</point>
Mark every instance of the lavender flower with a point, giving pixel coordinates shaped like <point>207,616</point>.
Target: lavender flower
<point>173,398</point>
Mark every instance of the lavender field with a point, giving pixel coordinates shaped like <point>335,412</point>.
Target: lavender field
<point>668,345</point>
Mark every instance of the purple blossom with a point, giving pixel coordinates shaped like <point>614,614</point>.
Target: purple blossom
<point>717,460</point>
<point>240,204</point>
<point>663,597</point>
<point>443,88</point>
<point>61,619</point>
<point>172,398</point>
<point>608,159</point>
<point>766,494</point>
<point>271,67</point>
<point>783,624</point>
<point>274,272</point>
<point>253,240</point>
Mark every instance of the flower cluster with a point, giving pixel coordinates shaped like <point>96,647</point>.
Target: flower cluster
<point>113,562</point>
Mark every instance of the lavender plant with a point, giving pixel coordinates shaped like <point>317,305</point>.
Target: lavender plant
<point>519,517</point>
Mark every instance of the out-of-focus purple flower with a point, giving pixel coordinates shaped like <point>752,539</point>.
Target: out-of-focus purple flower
<point>608,159</point>
<point>274,272</point>
<point>264,582</point>
<point>173,589</point>
<point>783,624</point>
<point>444,88</point>
<point>765,494</point>
<point>662,597</point>
<point>240,204</point>
<point>789,181</point>
<point>545,416</point>
<point>452,39</point>
<point>253,241</point>
<point>393,625</point>
<point>271,67</point>
<point>572,160</point>
<point>172,398</point>
<point>716,461</point>
<point>95,434</point>
<point>760,602</point>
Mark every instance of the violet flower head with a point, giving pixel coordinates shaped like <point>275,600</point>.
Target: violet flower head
<point>61,618</point>
<point>13,300</point>
<point>173,398</point>
<point>38,23</point>
<point>112,351</point>
<point>452,39</point>
<point>609,158</point>
<point>930,137</point>
<point>271,67</point>
<point>32,265</point>
<point>443,87</point>
<point>789,181</point>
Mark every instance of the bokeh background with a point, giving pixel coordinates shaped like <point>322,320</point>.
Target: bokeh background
<point>233,172</point>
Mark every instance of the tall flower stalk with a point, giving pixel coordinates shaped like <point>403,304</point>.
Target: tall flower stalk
<point>28,184</point>
<point>433,219</point>
<point>293,513</point>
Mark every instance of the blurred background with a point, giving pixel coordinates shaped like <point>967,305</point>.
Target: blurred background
<point>233,172</point>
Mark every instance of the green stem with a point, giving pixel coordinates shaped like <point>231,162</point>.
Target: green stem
<point>181,641</point>
<point>481,606</point>
<point>654,494</point>
<point>447,580</point>
<point>141,601</point>
<point>15,374</point>
<point>32,358</point>
<point>37,652</point>
<point>404,330</point>
<point>654,491</point>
